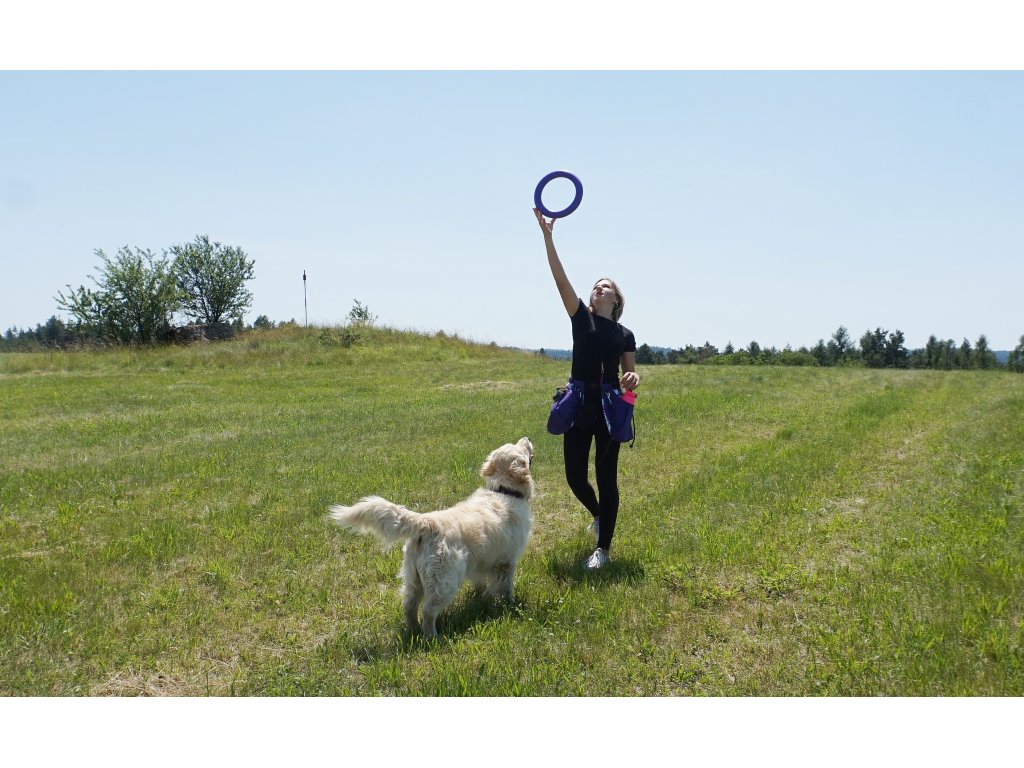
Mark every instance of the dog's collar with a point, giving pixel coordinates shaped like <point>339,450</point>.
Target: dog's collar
<point>509,491</point>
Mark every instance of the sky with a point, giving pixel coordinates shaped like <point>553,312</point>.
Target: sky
<point>748,175</point>
<point>728,206</point>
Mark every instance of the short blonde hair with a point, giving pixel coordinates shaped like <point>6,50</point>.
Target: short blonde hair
<point>620,304</point>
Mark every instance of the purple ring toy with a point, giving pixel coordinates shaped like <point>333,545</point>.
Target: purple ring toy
<point>565,211</point>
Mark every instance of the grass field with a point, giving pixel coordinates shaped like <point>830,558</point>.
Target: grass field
<point>783,531</point>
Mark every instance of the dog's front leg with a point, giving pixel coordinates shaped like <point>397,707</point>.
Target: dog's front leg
<point>503,578</point>
<point>411,606</point>
<point>429,625</point>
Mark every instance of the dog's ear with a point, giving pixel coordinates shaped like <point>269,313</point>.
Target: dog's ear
<point>488,468</point>
<point>520,469</point>
<point>525,444</point>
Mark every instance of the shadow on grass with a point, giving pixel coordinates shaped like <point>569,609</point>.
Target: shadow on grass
<point>474,612</point>
<point>471,612</point>
<point>565,564</point>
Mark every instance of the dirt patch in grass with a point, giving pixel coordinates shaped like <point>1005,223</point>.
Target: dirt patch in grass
<point>131,683</point>
<point>479,386</point>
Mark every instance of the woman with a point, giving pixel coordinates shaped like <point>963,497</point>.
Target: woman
<point>599,345</point>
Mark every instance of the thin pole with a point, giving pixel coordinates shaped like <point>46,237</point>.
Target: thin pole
<point>305,303</point>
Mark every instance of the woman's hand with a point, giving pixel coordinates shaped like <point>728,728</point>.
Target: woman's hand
<point>629,378</point>
<point>547,227</point>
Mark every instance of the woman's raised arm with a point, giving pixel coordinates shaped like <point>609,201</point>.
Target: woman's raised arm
<point>565,289</point>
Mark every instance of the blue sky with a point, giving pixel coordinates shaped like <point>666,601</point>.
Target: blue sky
<point>729,206</point>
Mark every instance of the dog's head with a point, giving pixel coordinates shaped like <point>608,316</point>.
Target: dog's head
<point>509,466</point>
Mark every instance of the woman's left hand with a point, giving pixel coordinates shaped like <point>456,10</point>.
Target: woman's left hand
<point>629,381</point>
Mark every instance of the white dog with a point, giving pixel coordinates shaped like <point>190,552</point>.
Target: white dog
<point>478,540</point>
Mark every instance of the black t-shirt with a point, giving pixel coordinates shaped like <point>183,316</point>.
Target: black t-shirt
<point>598,341</point>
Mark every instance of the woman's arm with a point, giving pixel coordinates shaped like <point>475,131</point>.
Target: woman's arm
<point>629,379</point>
<point>565,289</point>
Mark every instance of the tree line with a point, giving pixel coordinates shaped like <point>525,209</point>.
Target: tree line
<point>876,349</point>
<point>137,295</point>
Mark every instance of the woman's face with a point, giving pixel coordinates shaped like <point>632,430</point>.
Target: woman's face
<point>603,295</point>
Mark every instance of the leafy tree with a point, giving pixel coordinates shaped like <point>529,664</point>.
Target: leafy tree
<point>895,353</point>
<point>263,322</point>
<point>136,297</point>
<point>881,349</point>
<point>832,353</point>
<point>707,351</point>
<point>843,344</point>
<point>821,353</point>
<point>872,348</point>
<point>965,355</point>
<point>948,354</point>
<point>984,357</point>
<point>1015,362</point>
<point>933,352</point>
<point>687,355</point>
<point>12,340</point>
<point>360,315</point>
<point>211,279</point>
<point>917,358</point>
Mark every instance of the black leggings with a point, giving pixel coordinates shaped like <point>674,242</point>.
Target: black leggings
<point>590,426</point>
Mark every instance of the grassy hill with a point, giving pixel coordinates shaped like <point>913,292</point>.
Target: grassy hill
<point>784,531</point>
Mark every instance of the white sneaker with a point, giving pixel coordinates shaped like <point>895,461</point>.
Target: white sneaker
<point>597,560</point>
<point>595,526</point>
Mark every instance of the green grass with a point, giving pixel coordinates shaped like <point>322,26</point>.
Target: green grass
<point>783,531</point>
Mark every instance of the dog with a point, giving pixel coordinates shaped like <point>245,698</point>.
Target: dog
<point>479,540</point>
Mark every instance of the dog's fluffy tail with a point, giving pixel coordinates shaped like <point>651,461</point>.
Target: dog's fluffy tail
<point>387,521</point>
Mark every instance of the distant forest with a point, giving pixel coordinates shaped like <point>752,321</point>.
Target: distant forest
<point>876,349</point>
<point>55,334</point>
